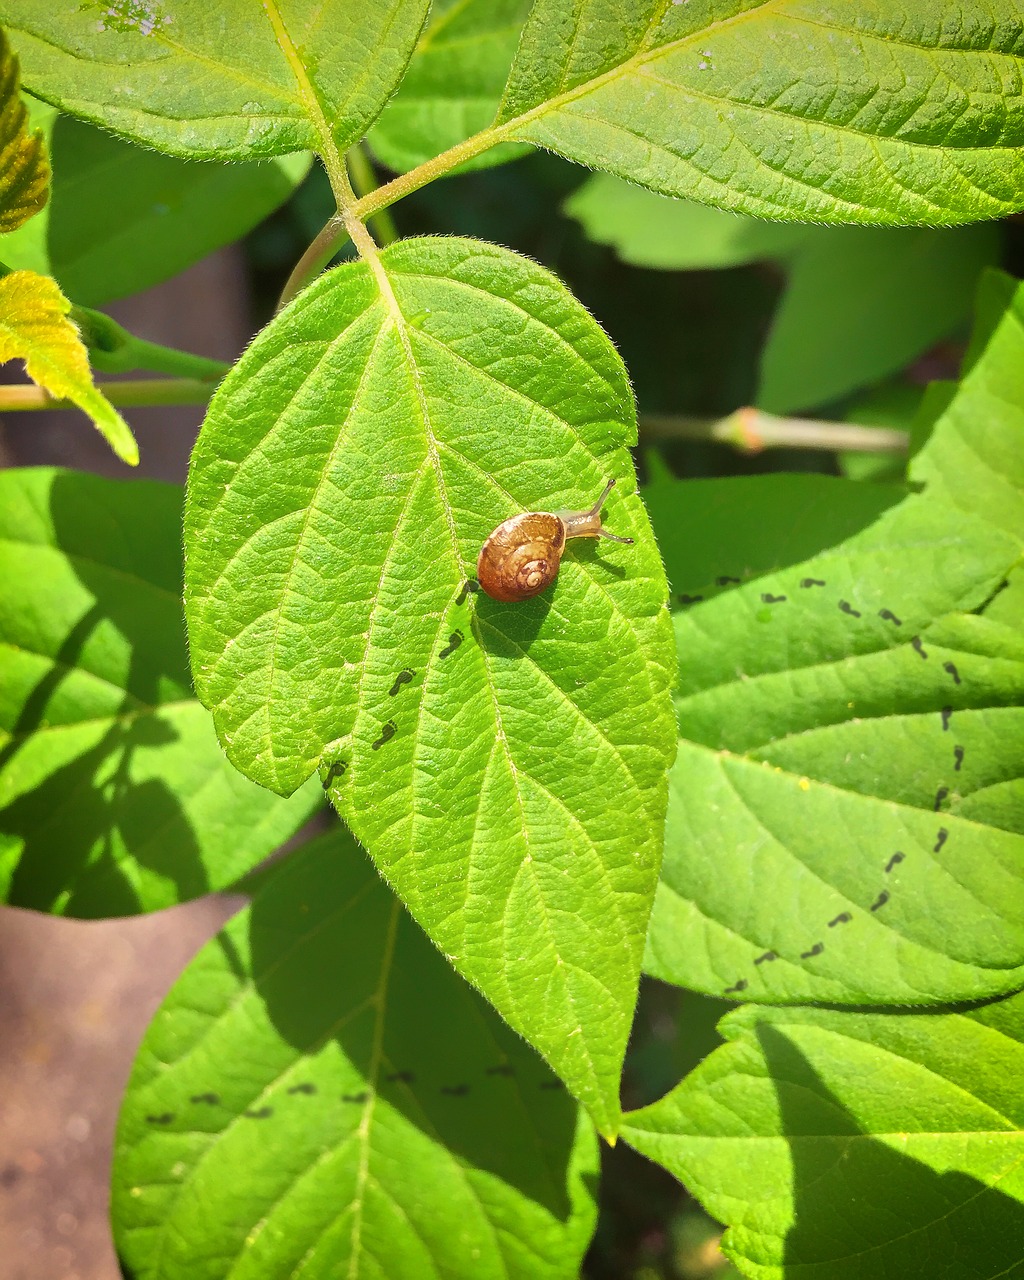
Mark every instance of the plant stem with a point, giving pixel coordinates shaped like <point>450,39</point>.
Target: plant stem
<point>372,204</point>
<point>406,183</point>
<point>115,350</point>
<point>364,181</point>
<point>750,431</point>
<point>142,394</point>
<point>327,243</point>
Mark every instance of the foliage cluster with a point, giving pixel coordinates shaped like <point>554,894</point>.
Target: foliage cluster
<point>772,753</point>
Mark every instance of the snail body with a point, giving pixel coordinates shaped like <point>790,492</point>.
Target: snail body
<point>522,556</point>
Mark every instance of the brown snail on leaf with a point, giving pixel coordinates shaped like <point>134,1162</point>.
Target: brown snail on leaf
<point>521,557</point>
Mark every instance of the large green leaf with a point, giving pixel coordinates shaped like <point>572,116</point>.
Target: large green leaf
<point>845,1146</point>
<point>453,85</point>
<point>846,814</point>
<point>168,213</point>
<point>113,789</point>
<point>834,714</point>
<point>504,764</point>
<point>320,1095</point>
<point>794,109</point>
<point>862,302</point>
<point>235,80</point>
<point>650,230</point>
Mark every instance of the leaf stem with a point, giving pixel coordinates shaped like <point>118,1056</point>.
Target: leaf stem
<point>142,394</point>
<point>406,183</point>
<point>750,430</point>
<point>113,349</point>
<point>364,182</point>
<point>327,243</point>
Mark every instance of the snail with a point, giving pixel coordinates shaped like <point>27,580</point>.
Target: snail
<point>521,557</point>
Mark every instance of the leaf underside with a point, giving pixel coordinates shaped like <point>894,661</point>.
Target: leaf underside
<point>232,81</point>
<point>793,109</point>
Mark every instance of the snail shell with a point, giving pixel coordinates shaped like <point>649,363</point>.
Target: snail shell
<point>523,554</point>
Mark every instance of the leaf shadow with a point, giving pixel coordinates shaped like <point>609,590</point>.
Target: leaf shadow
<point>860,1206</point>
<point>89,819</point>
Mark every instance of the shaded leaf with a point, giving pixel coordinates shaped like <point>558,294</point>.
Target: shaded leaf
<point>113,790</point>
<point>649,230</point>
<point>320,1093</point>
<point>24,168</point>
<point>504,764</point>
<point>168,213</point>
<point>453,85</point>
<point>34,327</point>
<point>798,111</point>
<point>846,1146</point>
<point>862,302</point>
<point>228,82</point>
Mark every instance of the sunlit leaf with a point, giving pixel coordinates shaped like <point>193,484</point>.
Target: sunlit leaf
<point>835,711</point>
<point>974,457</point>
<point>802,110</point>
<point>504,764</point>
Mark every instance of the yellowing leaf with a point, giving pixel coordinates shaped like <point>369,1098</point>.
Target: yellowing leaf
<point>24,168</point>
<point>34,327</point>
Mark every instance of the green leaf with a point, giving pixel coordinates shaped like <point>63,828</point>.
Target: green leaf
<point>24,168</point>
<point>974,457</point>
<point>231,81</point>
<point>862,302</point>
<point>34,327</point>
<point>453,85</point>
<point>804,111</point>
<point>846,1146</point>
<point>504,764</point>
<point>113,790</point>
<point>648,230</point>
<point>168,213</point>
<point>835,714</point>
<point>321,1094</point>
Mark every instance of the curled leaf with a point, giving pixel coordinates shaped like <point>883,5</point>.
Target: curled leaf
<point>34,327</point>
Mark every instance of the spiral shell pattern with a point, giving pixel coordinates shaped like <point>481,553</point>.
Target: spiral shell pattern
<point>522,556</point>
